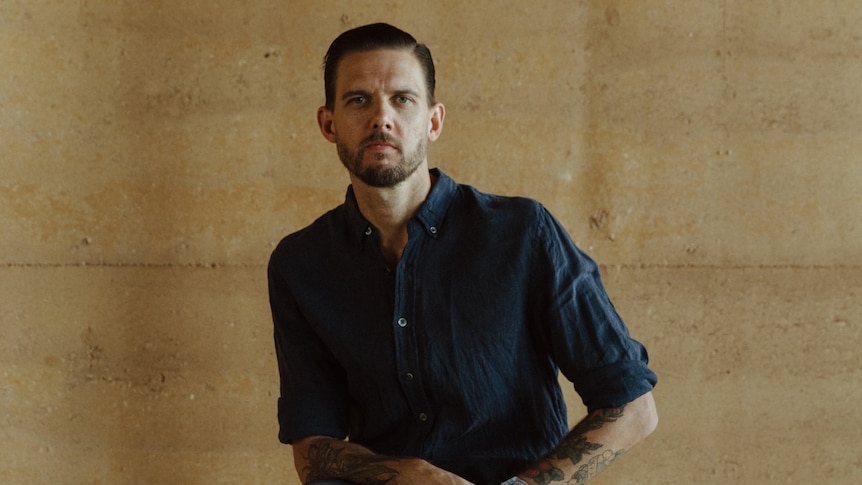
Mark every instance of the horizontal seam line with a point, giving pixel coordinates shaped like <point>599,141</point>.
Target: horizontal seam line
<point>604,266</point>
<point>87,264</point>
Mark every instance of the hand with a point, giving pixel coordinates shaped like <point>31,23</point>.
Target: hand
<point>319,457</point>
<point>414,470</point>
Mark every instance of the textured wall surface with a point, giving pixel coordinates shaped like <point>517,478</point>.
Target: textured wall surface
<point>706,153</point>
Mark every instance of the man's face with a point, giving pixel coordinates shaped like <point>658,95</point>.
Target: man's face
<point>381,122</point>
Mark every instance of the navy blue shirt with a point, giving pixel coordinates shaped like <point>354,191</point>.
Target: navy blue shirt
<point>453,355</point>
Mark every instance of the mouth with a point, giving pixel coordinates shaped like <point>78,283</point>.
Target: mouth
<point>380,143</point>
<point>379,147</point>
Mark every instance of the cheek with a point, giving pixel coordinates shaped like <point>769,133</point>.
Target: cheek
<point>342,131</point>
<point>418,128</point>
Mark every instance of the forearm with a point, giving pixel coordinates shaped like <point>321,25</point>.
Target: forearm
<point>594,443</point>
<point>319,458</point>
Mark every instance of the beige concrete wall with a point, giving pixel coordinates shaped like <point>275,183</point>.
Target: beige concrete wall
<point>707,153</point>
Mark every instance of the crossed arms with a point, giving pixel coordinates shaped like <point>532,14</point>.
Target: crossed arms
<point>593,444</point>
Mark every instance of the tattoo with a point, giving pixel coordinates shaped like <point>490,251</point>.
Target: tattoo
<point>545,473</point>
<point>327,461</point>
<point>575,447</point>
<point>594,466</point>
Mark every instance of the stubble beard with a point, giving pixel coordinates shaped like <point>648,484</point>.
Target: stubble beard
<point>382,177</point>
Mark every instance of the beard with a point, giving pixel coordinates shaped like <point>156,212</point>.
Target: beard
<point>382,177</point>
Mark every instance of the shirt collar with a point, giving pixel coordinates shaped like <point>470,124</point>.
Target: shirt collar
<point>433,211</point>
<point>430,215</point>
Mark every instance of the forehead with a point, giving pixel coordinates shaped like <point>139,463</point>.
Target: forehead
<point>375,69</point>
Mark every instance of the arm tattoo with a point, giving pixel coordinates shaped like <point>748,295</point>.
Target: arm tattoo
<point>594,466</point>
<point>327,461</point>
<point>575,447</point>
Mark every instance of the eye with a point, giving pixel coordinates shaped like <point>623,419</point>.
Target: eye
<point>403,100</point>
<point>357,100</point>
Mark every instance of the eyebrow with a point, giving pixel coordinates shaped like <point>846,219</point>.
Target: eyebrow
<point>356,92</point>
<point>411,92</point>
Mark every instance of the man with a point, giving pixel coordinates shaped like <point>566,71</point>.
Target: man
<point>426,321</point>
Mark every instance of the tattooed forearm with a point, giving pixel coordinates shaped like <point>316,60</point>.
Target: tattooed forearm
<point>326,461</point>
<point>598,419</point>
<point>575,448</point>
<point>594,466</point>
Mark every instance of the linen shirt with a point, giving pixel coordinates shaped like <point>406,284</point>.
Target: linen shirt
<point>453,355</point>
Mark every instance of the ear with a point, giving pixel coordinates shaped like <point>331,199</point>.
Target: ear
<point>435,127</point>
<point>324,121</point>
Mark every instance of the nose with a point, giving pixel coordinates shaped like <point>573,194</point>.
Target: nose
<point>382,116</point>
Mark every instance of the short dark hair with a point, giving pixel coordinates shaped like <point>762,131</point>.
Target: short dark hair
<point>373,37</point>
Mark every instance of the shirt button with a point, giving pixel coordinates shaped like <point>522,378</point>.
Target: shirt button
<point>433,229</point>
<point>368,231</point>
<point>402,322</point>
<point>408,376</point>
<point>423,417</point>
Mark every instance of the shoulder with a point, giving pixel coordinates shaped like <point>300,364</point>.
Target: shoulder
<point>510,216</point>
<point>515,208</point>
<point>310,239</point>
<point>516,215</point>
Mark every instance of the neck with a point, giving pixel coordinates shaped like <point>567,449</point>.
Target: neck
<point>389,209</point>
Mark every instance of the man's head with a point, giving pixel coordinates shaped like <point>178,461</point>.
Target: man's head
<point>372,37</point>
<point>380,111</point>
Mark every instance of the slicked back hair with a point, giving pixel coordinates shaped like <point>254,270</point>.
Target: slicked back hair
<point>373,37</point>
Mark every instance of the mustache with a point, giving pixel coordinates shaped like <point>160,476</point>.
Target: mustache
<point>380,136</point>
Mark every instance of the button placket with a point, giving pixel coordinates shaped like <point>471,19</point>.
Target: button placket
<point>405,328</point>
